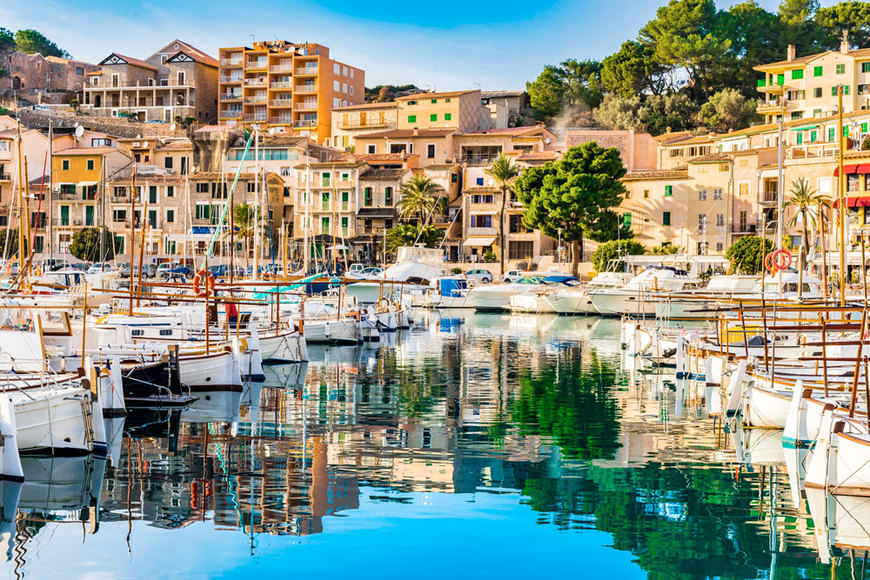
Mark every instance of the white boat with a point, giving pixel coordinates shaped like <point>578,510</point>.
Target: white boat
<point>415,267</point>
<point>283,347</point>
<point>574,301</point>
<point>444,292</point>
<point>641,295</point>
<point>496,297</point>
<point>331,330</point>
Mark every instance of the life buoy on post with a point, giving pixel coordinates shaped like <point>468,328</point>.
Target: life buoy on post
<point>779,260</point>
<point>208,289</point>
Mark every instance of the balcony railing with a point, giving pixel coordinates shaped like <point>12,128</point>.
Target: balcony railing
<point>255,118</point>
<point>769,197</point>
<point>257,82</point>
<point>255,100</point>
<point>231,62</point>
<point>281,103</point>
<point>305,89</point>
<point>307,106</point>
<point>281,120</point>
<point>230,97</point>
<point>281,85</point>
<point>367,125</point>
<point>473,231</point>
<point>259,63</point>
<point>308,70</point>
<point>5,177</point>
<point>231,79</point>
<point>305,123</point>
<point>230,114</point>
<point>281,67</point>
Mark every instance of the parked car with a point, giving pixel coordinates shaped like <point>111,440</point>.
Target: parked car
<point>164,268</point>
<point>480,275</point>
<point>54,264</point>
<point>179,272</point>
<point>80,266</point>
<point>149,271</point>
<point>100,267</point>
<point>513,275</point>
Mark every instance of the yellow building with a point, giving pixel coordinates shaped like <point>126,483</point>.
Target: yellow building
<point>353,120</point>
<point>287,87</point>
<point>806,86</point>
<point>460,110</point>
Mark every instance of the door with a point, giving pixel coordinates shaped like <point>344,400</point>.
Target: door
<point>64,215</point>
<point>89,215</point>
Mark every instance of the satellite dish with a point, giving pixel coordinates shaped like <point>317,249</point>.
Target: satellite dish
<point>145,144</point>
<point>138,136</point>
<point>75,124</point>
<point>271,130</point>
<point>172,127</point>
<point>79,131</point>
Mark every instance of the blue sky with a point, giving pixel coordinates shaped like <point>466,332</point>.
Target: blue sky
<point>445,45</point>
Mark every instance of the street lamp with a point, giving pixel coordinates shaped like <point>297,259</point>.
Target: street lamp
<point>559,249</point>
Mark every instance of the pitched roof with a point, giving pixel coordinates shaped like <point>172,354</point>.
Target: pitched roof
<point>539,156</point>
<point>673,137</point>
<point>372,174</point>
<point>711,158</point>
<point>418,96</point>
<point>656,174</point>
<point>129,60</point>
<point>87,151</point>
<point>380,157</point>
<point>499,94</point>
<point>367,106</point>
<point>199,57</point>
<point>513,131</point>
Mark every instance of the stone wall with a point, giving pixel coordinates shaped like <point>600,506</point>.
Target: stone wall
<point>113,126</point>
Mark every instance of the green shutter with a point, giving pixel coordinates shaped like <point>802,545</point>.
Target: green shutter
<point>841,69</point>
<point>797,74</point>
<point>800,138</point>
<point>780,79</point>
<point>89,215</point>
<point>846,90</point>
<point>865,67</point>
<point>626,219</point>
<point>834,91</point>
<point>669,190</point>
<point>448,116</point>
<point>863,127</point>
<point>666,218</point>
<point>64,215</point>
<point>813,136</point>
<point>818,71</point>
<point>433,117</point>
<point>832,134</point>
<point>412,118</point>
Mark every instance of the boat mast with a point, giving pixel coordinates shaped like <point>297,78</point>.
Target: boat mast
<point>256,271</point>
<point>132,238</point>
<point>841,188</point>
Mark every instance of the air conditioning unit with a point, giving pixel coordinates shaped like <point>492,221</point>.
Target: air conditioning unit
<point>77,222</point>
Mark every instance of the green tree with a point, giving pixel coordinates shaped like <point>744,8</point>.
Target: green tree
<point>618,112</point>
<point>32,41</point>
<point>8,242</point>
<point>85,245</point>
<point>573,194</point>
<point>806,202</point>
<point>849,18</point>
<point>728,110</point>
<point>614,250</point>
<point>420,198</point>
<point>755,37</point>
<point>582,82</point>
<point>504,172</point>
<point>411,234</point>
<point>682,35</point>
<point>747,254</point>
<point>546,93</point>
<point>244,223</point>
<point>675,111</point>
<point>798,25</point>
<point>633,70</point>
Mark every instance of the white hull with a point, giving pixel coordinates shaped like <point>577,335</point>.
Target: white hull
<point>287,347</point>
<point>571,303</point>
<point>53,420</point>
<point>342,331</point>
<point>218,371</point>
<point>617,303</point>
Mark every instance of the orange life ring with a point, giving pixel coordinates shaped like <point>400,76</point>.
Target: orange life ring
<point>777,261</point>
<point>208,290</point>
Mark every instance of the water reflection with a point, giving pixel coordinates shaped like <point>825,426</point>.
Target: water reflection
<point>531,427</point>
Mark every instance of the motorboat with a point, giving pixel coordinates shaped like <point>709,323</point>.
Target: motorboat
<point>415,268</point>
<point>640,295</point>
<point>496,297</point>
<point>574,301</point>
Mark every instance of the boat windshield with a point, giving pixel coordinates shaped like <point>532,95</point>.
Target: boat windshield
<point>530,280</point>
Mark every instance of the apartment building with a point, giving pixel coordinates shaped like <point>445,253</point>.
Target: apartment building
<point>286,87</point>
<point>506,108</point>
<point>350,121</point>
<point>806,86</point>
<point>433,146</point>
<point>380,191</point>
<point>34,148</point>
<point>460,110</point>
<point>178,80</point>
<point>485,145</point>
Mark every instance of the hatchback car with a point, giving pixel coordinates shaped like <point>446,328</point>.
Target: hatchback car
<point>480,275</point>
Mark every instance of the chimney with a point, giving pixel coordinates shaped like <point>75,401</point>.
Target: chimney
<point>844,44</point>
<point>790,53</point>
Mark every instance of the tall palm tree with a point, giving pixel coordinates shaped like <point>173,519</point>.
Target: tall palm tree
<point>420,197</point>
<point>806,202</point>
<point>504,172</point>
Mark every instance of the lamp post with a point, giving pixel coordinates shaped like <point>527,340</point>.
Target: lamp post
<point>559,249</point>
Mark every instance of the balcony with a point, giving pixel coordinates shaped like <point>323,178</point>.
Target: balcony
<point>305,123</point>
<point>281,120</point>
<point>231,79</point>
<point>281,103</point>
<point>773,107</point>
<point>256,82</point>
<point>256,118</point>
<point>231,62</point>
<point>259,63</point>
<point>5,177</point>
<point>256,100</point>
<point>813,150</point>
<point>281,85</point>
<point>769,198</point>
<point>471,231</point>
<point>230,97</point>
<point>307,106</point>
<point>229,114</point>
<point>281,67</point>
<point>777,85</point>
<point>308,70</point>
<point>305,88</point>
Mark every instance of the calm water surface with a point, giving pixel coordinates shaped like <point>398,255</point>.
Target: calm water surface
<point>471,446</point>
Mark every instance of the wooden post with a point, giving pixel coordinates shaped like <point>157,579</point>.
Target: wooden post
<point>824,353</point>
<point>145,226</point>
<point>132,232</point>
<point>824,252</point>
<point>854,397</point>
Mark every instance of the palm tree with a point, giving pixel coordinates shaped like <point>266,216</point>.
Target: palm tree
<point>806,201</point>
<point>420,197</point>
<point>244,221</point>
<point>504,172</point>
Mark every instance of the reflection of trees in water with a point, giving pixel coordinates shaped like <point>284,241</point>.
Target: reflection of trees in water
<point>572,402</point>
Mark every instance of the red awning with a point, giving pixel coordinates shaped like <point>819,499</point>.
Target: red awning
<point>847,169</point>
<point>854,202</point>
<point>863,168</point>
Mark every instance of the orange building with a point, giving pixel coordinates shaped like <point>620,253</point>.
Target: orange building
<point>286,88</point>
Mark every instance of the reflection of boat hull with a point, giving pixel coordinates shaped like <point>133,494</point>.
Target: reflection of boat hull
<point>61,483</point>
<point>287,376</point>
<point>219,406</point>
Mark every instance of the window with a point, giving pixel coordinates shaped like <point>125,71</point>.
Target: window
<point>412,102</point>
<point>388,196</point>
<point>325,178</point>
<point>336,86</point>
<point>626,219</point>
<point>412,118</point>
<point>433,117</point>
<point>720,219</point>
<point>152,218</point>
<point>372,149</point>
<point>202,211</point>
<point>817,112</point>
<point>345,200</point>
<point>167,163</point>
<point>343,87</point>
<point>627,194</point>
<point>743,189</point>
<point>515,225</point>
<point>65,165</point>
<point>324,201</point>
<point>666,218</point>
<point>202,187</point>
<point>479,182</point>
<point>834,91</point>
<point>90,164</point>
<point>702,195</point>
<point>481,221</point>
<point>430,151</point>
<point>367,200</point>
<point>797,115</point>
<point>743,227</point>
<point>717,193</point>
<point>152,194</point>
<point>845,89</point>
<point>448,116</point>
<point>336,68</point>
<point>719,247</point>
<point>841,69</point>
<point>324,224</point>
<point>865,67</point>
<point>521,250</point>
<point>863,89</point>
<point>481,199</point>
<point>797,74</point>
<point>852,182</point>
<point>832,133</point>
<point>170,216</point>
<point>800,138</point>
<point>119,215</point>
<point>814,136</point>
<point>702,223</point>
<point>818,71</point>
<point>817,92</point>
<point>170,191</point>
<point>669,191</point>
<point>351,89</point>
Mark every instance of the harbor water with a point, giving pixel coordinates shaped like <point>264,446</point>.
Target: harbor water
<point>471,445</point>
